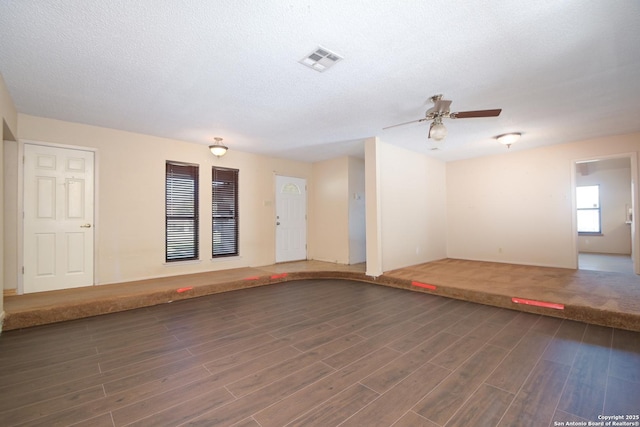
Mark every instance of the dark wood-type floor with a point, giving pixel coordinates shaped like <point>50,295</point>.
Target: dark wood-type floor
<point>318,353</point>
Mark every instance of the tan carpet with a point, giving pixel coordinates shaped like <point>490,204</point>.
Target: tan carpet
<point>609,299</point>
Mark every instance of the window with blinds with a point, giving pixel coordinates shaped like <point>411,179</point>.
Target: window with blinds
<point>181,201</point>
<point>224,191</point>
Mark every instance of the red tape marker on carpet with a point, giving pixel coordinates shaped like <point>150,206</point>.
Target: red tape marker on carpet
<point>538,303</point>
<point>279,276</point>
<point>180,290</point>
<point>424,285</point>
<point>252,278</point>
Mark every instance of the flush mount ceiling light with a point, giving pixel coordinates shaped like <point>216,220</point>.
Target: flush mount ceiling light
<point>508,138</point>
<point>320,59</point>
<point>217,149</point>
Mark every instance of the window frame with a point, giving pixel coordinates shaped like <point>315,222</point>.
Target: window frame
<point>597,209</point>
<point>227,225</point>
<point>190,171</point>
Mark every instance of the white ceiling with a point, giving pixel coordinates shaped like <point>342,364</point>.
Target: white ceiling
<point>194,69</point>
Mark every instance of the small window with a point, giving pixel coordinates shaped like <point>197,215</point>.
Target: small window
<point>225,223</point>
<point>181,197</point>
<point>588,204</point>
<point>290,188</point>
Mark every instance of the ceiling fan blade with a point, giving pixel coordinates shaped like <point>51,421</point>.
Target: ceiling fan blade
<point>406,123</point>
<point>477,113</point>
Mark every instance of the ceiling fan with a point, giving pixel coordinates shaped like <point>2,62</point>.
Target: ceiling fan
<point>440,110</point>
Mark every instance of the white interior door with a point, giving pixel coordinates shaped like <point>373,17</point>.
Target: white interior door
<point>58,218</point>
<point>291,219</point>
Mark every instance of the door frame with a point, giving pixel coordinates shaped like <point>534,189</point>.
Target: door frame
<point>20,206</point>
<point>275,214</point>
<point>635,205</point>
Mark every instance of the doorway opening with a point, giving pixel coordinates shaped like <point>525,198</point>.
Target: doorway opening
<point>604,211</point>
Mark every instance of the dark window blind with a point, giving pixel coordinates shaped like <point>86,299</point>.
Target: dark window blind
<point>224,190</point>
<point>181,212</point>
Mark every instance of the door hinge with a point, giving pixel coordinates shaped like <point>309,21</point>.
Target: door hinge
<point>23,269</point>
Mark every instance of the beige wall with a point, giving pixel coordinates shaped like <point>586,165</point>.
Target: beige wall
<point>130,198</point>
<point>8,130</point>
<point>412,207</point>
<point>8,113</point>
<point>517,207</point>
<point>11,225</point>
<point>372,156</point>
<point>357,214</point>
<point>338,206</point>
<point>614,178</point>
<point>330,206</point>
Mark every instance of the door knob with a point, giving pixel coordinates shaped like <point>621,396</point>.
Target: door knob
<point>86,226</point>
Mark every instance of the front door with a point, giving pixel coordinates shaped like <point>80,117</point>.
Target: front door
<point>291,219</point>
<point>58,218</point>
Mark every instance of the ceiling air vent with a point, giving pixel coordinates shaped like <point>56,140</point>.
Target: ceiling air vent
<point>320,59</point>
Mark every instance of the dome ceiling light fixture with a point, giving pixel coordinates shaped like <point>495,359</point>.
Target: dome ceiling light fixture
<point>508,138</point>
<point>217,149</point>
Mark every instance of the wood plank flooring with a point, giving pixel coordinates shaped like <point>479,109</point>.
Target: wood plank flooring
<point>318,353</point>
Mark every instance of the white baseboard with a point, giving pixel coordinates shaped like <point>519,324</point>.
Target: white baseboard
<point>1,320</point>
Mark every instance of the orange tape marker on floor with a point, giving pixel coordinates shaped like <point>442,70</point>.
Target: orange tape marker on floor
<point>424,285</point>
<point>538,303</point>
<point>279,276</point>
<point>252,278</point>
<point>181,290</point>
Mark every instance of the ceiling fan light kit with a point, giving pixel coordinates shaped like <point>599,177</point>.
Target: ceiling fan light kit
<point>437,131</point>
<point>440,110</point>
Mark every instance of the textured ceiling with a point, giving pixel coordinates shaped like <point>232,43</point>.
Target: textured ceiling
<point>194,69</point>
